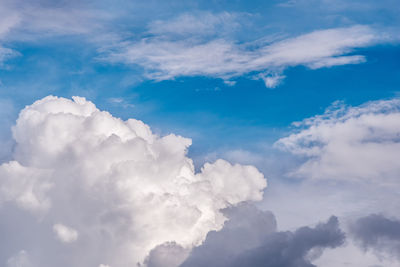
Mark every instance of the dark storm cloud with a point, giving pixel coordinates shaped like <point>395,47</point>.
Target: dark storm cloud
<point>250,239</point>
<point>378,233</point>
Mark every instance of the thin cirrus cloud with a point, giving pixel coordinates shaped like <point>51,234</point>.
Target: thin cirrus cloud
<point>34,20</point>
<point>350,143</point>
<point>26,22</point>
<point>175,49</point>
<point>93,182</point>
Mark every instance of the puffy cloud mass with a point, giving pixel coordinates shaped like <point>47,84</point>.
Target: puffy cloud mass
<point>350,143</point>
<point>99,190</point>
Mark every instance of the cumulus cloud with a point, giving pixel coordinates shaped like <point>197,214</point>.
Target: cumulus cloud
<point>350,143</point>
<point>378,233</point>
<point>125,190</point>
<point>250,238</point>
<point>175,49</point>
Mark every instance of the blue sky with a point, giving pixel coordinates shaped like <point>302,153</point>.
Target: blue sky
<point>252,82</point>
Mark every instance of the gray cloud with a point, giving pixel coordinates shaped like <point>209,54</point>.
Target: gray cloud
<point>250,238</point>
<point>378,233</point>
<point>169,254</point>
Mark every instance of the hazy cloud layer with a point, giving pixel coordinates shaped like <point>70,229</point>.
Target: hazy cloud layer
<point>101,190</point>
<point>250,238</point>
<point>350,143</point>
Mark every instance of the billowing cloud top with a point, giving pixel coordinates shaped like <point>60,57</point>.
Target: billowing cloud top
<point>80,172</point>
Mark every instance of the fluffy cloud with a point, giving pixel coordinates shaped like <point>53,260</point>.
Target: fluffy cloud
<point>350,144</point>
<point>378,233</point>
<point>77,169</point>
<point>250,238</point>
<point>175,49</point>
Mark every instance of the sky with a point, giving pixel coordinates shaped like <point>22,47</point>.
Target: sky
<point>199,133</point>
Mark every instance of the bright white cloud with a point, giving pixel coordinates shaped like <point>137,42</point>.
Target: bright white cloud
<point>122,188</point>
<point>350,143</point>
<point>175,50</point>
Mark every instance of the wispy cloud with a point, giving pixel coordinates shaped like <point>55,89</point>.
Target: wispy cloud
<point>22,21</point>
<point>188,46</point>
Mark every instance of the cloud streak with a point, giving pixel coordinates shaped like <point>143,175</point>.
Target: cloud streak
<point>174,49</point>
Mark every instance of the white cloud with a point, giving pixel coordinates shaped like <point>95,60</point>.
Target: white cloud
<point>36,20</point>
<point>64,233</point>
<point>350,144</point>
<point>41,18</point>
<point>164,55</point>
<point>5,54</point>
<point>272,81</point>
<point>26,186</point>
<point>122,188</point>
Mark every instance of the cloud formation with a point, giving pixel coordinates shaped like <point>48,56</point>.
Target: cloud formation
<point>350,143</point>
<point>250,238</point>
<point>110,189</point>
<point>195,43</point>
<point>36,21</point>
<point>378,233</point>
<point>174,49</point>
